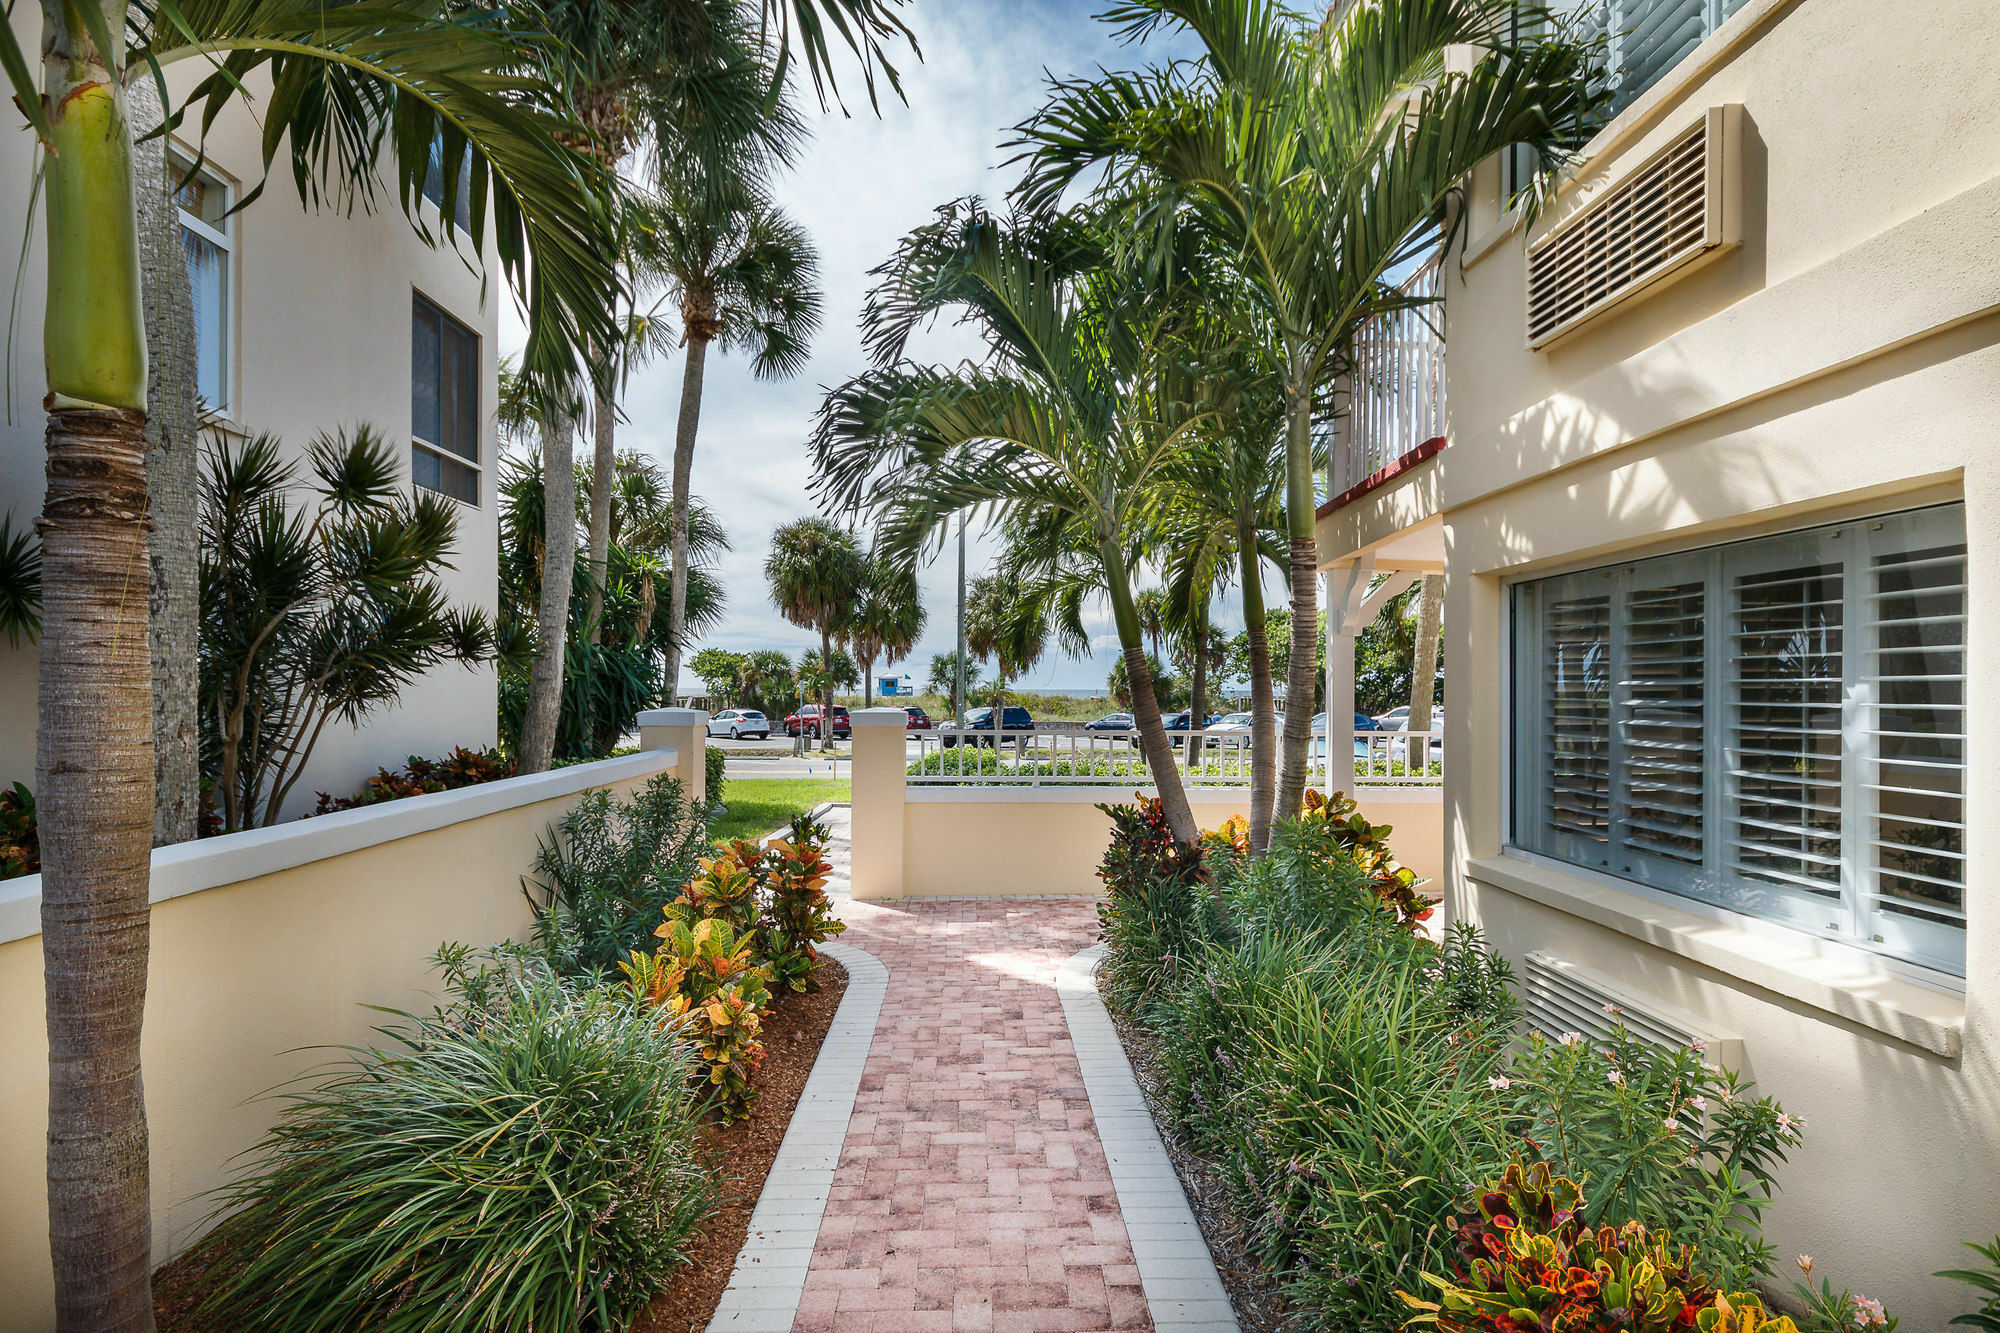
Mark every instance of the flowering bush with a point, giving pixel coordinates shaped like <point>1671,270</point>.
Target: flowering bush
<point>419,776</point>
<point>20,846</point>
<point>1657,1135</point>
<point>705,978</point>
<point>1529,1262</point>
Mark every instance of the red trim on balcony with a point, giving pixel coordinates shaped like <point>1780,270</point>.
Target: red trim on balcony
<point>1422,453</point>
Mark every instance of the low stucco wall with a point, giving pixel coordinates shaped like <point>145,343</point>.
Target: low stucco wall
<point>1010,840</point>
<point>264,944</point>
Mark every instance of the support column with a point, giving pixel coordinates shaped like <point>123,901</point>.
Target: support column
<point>1337,775</point>
<point>684,731</point>
<point>880,797</point>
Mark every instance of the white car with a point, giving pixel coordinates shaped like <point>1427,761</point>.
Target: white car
<point>1233,722</point>
<point>1432,750</point>
<point>736,723</point>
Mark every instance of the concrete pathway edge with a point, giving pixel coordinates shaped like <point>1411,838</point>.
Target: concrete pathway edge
<point>1183,1291</point>
<point>770,1273</point>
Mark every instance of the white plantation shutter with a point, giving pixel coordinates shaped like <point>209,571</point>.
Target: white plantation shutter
<point>1662,711</point>
<point>1644,39</point>
<point>1775,726</point>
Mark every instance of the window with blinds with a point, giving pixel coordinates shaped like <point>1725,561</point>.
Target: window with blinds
<point>1775,726</point>
<point>1644,39</point>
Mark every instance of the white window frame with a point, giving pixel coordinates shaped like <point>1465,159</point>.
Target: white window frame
<point>1906,944</point>
<point>223,239</point>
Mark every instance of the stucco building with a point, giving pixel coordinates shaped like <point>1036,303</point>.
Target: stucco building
<point>307,321</point>
<point>1716,495</point>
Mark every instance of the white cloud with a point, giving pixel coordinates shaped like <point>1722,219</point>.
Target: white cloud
<point>863,182</point>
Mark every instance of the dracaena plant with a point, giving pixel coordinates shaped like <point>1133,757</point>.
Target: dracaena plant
<point>315,614</point>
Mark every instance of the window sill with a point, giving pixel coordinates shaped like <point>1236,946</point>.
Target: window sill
<point>1813,972</point>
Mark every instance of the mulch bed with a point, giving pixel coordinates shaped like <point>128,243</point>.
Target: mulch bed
<point>792,1035</point>
<point>793,1031</point>
<point>1260,1307</point>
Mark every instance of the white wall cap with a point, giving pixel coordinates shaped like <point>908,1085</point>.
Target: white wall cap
<point>208,863</point>
<point>879,717</point>
<point>673,717</point>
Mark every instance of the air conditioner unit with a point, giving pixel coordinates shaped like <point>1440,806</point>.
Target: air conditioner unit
<point>1560,996</point>
<point>1677,209</point>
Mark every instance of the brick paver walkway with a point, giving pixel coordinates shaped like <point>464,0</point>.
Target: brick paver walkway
<point>972,1191</point>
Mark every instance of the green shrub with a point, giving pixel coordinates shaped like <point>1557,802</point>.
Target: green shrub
<point>1158,907</point>
<point>602,880</point>
<point>798,915</point>
<point>420,776</point>
<point>1985,1280</point>
<point>527,1159</point>
<point>713,759</point>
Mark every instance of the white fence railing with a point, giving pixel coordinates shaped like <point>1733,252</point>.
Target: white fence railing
<point>1036,757</point>
<point>1395,394</point>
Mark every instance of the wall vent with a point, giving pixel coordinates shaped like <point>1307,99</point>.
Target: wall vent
<point>1681,205</point>
<point>1560,996</point>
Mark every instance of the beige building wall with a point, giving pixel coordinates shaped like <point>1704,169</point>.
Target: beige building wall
<point>320,321</point>
<point>1843,360</point>
<point>267,945</point>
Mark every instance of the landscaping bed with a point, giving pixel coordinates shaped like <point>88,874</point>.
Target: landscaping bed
<point>792,1036</point>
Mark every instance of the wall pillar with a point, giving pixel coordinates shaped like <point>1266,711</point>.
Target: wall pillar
<point>879,768</point>
<point>685,732</point>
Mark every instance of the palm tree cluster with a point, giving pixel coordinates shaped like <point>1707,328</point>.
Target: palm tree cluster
<point>522,110</point>
<point>1167,308</point>
<point>866,603</point>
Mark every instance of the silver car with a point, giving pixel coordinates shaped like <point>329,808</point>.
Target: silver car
<point>736,723</point>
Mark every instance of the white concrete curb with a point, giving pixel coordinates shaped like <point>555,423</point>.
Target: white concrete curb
<point>1183,1292</point>
<point>770,1274</point>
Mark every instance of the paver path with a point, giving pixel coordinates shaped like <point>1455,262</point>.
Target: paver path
<point>972,1191</point>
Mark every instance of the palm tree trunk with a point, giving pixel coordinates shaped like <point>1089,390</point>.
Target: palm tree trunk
<point>172,476</point>
<point>1299,520</point>
<point>868,681</point>
<point>684,435</point>
<point>603,466</point>
<point>94,746</point>
<point>545,687</point>
<point>1153,742</point>
<point>1423,683</point>
<point>1198,684</point>
<point>1263,708</point>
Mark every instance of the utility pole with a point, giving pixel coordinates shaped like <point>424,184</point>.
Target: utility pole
<point>958,692</point>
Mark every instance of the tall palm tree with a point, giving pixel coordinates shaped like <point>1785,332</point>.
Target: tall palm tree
<point>888,620</point>
<point>1152,607</point>
<point>745,277</point>
<point>1004,626</point>
<point>817,572</point>
<point>346,82</point>
<point>1076,407</point>
<point>1323,157</point>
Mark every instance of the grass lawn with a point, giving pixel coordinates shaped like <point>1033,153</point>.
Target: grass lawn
<point>758,805</point>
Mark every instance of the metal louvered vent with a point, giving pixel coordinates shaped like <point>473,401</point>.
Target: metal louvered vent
<point>1680,205</point>
<point>1561,996</point>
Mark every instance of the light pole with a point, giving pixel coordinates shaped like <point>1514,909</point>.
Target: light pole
<point>958,690</point>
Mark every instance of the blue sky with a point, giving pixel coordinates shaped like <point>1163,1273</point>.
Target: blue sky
<point>864,182</point>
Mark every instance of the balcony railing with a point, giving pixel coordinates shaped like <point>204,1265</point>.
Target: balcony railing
<point>1393,400</point>
<point>1212,758</point>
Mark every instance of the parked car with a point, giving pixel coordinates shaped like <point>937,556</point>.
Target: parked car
<point>807,719</point>
<point>1233,722</point>
<point>1361,747</point>
<point>1393,720</point>
<point>919,719</point>
<point>1431,752</point>
<point>981,719</point>
<point>736,723</point>
<point>1112,722</point>
<point>1363,722</point>
<point>1185,721</point>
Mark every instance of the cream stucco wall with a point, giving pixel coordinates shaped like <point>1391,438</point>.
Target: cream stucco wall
<point>321,336</point>
<point>265,944</point>
<point>1844,360</point>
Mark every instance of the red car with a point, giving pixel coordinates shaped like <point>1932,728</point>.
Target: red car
<point>808,718</point>
<point>919,719</point>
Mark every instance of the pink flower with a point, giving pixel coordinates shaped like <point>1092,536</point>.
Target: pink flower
<point>1698,1103</point>
<point>1698,1046</point>
<point>1499,1083</point>
<point>1673,1126</point>
<point>1571,1038</point>
<point>1615,1079</point>
<point>1804,1262</point>
<point>1613,1010</point>
<point>1872,1315</point>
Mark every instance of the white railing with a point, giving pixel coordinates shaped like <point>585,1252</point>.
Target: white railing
<point>1394,396</point>
<point>1037,757</point>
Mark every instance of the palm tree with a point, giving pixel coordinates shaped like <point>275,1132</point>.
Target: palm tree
<point>1152,607</point>
<point>817,573</point>
<point>944,678</point>
<point>745,277</point>
<point>1078,404</point>
<point>888,620</point>
<point>346,82</point>
<point>1322,156</point>
<point>1005,627</point>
